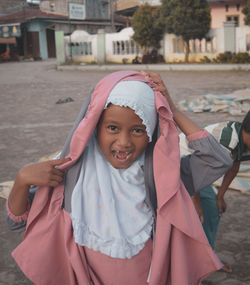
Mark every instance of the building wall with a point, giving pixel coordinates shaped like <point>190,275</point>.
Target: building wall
<point>221,9</point>
<point>7,6</point>
<point>243,39</point>
<point>94,8</point>
<point>57,6</point>
<point>219,12</point>
<point>40,27</point>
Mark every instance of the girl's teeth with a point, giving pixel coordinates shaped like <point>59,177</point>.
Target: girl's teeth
<point>122,155</point>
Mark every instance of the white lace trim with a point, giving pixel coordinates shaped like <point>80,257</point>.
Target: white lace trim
<point>125,247</point>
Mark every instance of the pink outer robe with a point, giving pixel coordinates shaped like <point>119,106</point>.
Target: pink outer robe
<point>48,254</point>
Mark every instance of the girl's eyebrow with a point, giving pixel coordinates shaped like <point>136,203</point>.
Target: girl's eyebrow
<point>138,126</point>
<point>108,122</point>
<point>111,122</point>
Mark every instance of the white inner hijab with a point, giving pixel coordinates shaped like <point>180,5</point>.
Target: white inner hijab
<point>109,213</point>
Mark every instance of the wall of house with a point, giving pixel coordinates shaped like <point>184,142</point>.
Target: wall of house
<point>7,6</point>
<point>94,8</point>
<point>57,6</point>
<point>36,26</point>
<point>219,12</point>
<point>243,39</point>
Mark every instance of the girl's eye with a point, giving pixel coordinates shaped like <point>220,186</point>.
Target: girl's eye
<point>112,128</point>
<point>138,131</point>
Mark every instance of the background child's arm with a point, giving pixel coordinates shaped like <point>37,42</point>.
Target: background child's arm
<point>197,204</point>
<point>227,179</point>
<point>187,126</point>
<point>40,174</point>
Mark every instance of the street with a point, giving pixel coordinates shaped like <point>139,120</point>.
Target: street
<point>32,125</point>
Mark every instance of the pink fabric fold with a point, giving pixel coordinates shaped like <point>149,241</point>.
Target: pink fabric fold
<point>181,254</point>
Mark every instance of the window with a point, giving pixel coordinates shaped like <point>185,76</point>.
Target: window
<point>227,7</point>
<point>233,18</point>
<point>178,45</point>
<point>238,7</point>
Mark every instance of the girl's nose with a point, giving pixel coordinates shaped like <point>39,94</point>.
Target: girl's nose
<point>124,139</point>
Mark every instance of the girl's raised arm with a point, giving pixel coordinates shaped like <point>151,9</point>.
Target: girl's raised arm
<point>186,125</point>
<point>39,174</point>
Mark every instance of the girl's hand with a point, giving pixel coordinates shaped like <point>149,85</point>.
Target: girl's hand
<point>158,85</point>
<point>42,174</point>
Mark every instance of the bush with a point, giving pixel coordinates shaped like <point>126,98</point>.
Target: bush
<point>152,57</point>
<point>241,57</point>
<point>205,59</point>
<point>225,57</point>
<point>228,57</point>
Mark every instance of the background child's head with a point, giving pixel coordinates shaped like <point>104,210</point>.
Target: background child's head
<point>246,130</point>
<point>127,123</point>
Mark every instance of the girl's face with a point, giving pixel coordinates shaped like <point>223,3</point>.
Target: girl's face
<point>121,136</point>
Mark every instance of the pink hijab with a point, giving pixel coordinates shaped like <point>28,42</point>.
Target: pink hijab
<point>181,253</point>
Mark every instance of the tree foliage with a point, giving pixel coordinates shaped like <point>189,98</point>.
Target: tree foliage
<point>189,19</point>
<point>246,11</point>
<point>148,30</point>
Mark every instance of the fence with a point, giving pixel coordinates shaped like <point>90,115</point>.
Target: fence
<point>121,48</point>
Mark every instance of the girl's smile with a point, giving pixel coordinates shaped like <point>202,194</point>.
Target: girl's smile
<point>121,155</point>
<point>121,136</point>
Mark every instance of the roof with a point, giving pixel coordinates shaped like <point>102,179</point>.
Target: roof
<point>128,12</point>
<point>27,14</point>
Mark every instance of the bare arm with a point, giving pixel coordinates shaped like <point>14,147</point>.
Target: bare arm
<point>186,125</point>
<point>40,174</point>
<point>228,178</point>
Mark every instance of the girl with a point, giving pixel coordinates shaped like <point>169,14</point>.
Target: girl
<point>107,220</point>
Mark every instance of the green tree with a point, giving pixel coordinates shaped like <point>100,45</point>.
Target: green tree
<point>189,19</point>
<point>148,30</point>
<point>246,11</point>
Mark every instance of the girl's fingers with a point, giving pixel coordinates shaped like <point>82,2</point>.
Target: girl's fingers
<point>59,161</point>
<point>58,172</point>
<point>56,178</point>
<point>54,181</point>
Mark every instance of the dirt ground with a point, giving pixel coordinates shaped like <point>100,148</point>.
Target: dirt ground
<point>33,125</point>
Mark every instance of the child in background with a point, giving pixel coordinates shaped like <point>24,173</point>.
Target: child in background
<point>113,209</point>
<point>235,138</point>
